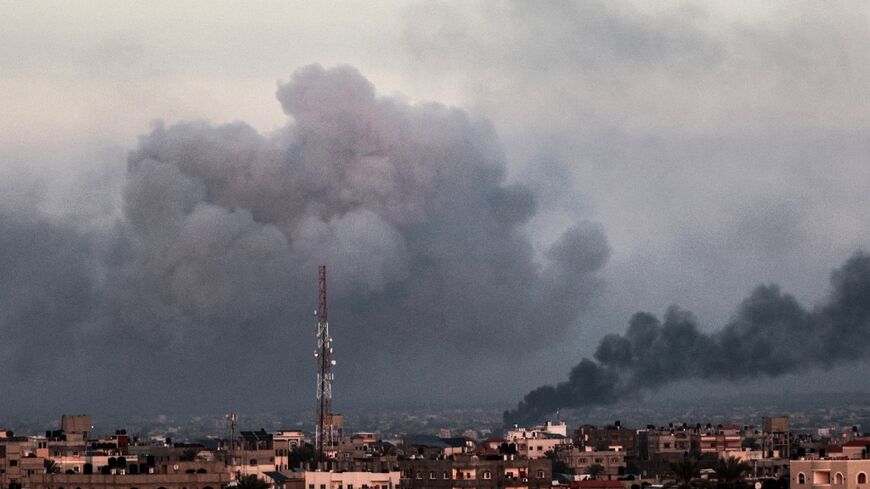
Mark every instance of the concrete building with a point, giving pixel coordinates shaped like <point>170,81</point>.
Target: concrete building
<point>472,472</point>
<point>284,443</point>
<point>855,449</point>
<point>253,454</point>
<point>537,441</point>
<point>343,480</point>
<point>76,427</point>
<point>610,437</point>
<point>670,445</point>
<point>579,460</point>
<point>727,438</point>
<point>775,436</point>
<point>830,474</point>
<point>214,480</point>
<point>547,430</point>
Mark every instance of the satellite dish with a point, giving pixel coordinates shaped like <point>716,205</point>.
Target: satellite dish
<point>758,485</point>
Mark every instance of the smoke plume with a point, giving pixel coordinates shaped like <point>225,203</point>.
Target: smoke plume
<point>199,293</point>
<point>770,334</point>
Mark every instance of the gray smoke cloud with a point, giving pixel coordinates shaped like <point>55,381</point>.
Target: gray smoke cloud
<point>771,334</point>
<point>199,293</point>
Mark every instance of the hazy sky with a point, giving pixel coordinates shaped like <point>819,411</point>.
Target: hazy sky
<point>639,156</point>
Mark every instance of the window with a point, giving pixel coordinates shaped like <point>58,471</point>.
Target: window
<point>540,474</point>
<point>445,475</point>
<point>322,486</point>
<point>862,478</point>
<point>310,486</point>
<point>838,479</point>
<point>487,474</point>
<point>419,475</point>
<point>802,479</point>
<point>432,475</point>
<point>253,461</point>
<point>13,463</point>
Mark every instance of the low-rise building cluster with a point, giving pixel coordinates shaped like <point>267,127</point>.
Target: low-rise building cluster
<point>768,456</point>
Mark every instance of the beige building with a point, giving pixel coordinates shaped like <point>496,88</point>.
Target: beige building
<point>612,461</point>
<point>830,474</point>
<point>345,480</point>
<point>720,442</point>
<point>214,480</point>
<point>536,442</point>
<point>285,442</point>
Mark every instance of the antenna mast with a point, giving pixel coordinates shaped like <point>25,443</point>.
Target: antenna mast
<point>324,430</point>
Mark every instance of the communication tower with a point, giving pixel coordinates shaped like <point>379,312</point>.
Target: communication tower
<point>325,431</point>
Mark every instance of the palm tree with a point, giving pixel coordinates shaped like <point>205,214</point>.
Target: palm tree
<point>731,471</point>
<point>252,482</point>
<point>51,466</point>
<point>686,474</point>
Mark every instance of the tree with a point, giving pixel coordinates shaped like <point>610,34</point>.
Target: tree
<point>595,470</point>
<point>51,467</point>
<point>189,454</point>
<point>252,482</point>
<point>508,449</point>
<point>686,474</point>
<point>731,472</point>
<point>559,466</point>
<point>300,456</point>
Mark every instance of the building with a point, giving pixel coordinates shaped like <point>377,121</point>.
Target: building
<point>473,472</point>
<point>669,445</point>
<point>284,443</point>
<point>724,438</point>
<point>343,480</point>
<point>611,437</point>
<point>537,441</point>
<point>180,480</point>
<point>775,436</point>
<point>830,474</point>
<point>579,460</point>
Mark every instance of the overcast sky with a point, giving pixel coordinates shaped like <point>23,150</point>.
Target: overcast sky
<point>684,152</point>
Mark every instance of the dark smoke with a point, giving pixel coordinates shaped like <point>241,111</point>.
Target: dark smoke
<point>771,334</point>
<point>199,292</point>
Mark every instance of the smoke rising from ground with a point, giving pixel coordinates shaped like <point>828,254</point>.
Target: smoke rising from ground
<point>771,334</point>
<point>200,292</point>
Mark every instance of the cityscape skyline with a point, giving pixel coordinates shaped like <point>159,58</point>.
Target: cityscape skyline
<point>498,190</point>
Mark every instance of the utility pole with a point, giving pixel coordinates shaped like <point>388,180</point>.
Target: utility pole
<point>229,458</point>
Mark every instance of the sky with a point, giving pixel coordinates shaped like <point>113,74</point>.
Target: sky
<point>494,186</point>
